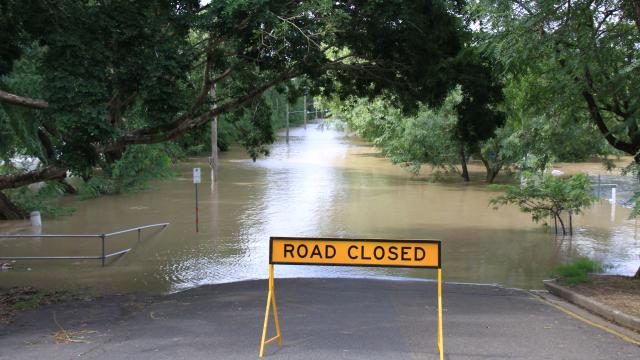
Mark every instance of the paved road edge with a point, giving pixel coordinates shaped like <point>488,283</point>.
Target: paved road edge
<point>593,306</point>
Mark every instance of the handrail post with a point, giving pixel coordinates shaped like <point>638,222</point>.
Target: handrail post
<point>139,234</point>
<point>103,253</point>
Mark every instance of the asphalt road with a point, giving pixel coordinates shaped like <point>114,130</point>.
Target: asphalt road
<point>320,319</point>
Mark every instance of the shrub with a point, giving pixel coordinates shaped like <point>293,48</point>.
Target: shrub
<point>138,165</point>
<point>576,272</point>
<point>41,199</point>
<point>547,195</point>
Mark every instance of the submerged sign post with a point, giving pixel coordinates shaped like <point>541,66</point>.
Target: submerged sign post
<point>197,179</point>
<point>351,252</point>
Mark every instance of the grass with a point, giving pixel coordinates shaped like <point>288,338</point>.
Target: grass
<point>576,272</point>
<point>26,298</point>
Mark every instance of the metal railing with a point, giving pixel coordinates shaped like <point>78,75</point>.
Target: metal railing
<point>102,238</point>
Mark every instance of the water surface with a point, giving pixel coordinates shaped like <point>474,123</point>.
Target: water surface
<point>323,184</point>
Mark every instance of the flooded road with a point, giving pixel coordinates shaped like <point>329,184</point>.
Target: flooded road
<point>322,184</point>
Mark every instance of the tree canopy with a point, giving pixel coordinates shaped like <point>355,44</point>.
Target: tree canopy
<point>580,59</point>
<point>82,81</point>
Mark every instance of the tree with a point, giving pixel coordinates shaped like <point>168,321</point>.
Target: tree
<point>412,141</point>
<point>478,112</point>
<point>548,196</point>
<point>111,75</point>
<point>430,136</point>
<point>582,55</point>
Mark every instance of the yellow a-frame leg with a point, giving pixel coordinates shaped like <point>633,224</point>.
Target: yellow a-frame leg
<point>271,300</point>
<point>440,334</point>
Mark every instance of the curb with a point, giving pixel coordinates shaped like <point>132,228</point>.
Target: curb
<point>593,306</point>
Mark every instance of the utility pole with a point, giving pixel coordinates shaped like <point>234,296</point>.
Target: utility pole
<point>304,110</point>
<point>287,117</point>
<point>213,160</point>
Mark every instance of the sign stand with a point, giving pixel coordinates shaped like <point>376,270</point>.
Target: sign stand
<point>339,252</point>
<point>271,300</point>
<point>440,334</point>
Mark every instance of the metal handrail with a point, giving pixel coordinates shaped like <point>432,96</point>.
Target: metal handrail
<point>136,228</point>
<point>103,237</point>
<point>48,235</point>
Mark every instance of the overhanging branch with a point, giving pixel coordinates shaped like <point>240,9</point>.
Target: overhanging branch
<point>13,99</point>
<point>51,172</point>
<point>602,126</point>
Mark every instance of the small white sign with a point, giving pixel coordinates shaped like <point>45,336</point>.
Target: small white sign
<point>197,179</point>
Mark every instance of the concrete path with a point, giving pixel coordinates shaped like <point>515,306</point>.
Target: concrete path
<point>320,319</point>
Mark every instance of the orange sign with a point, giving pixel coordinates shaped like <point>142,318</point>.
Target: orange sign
<point>355,252</point>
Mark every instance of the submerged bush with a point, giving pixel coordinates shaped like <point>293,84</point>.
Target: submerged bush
<point>547,196</point>
<point>40,199</point>
<point>138,165</point>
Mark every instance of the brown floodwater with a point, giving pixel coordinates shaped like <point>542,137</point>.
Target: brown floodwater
<point>324,183</point>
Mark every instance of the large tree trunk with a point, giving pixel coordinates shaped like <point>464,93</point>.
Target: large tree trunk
<point>492,172</point>
<point>50,172</point>
<point>9,211</point>
<point>637,275</point>
<point>13,99</point>
<point>463,162</point>
<point>636,14</point>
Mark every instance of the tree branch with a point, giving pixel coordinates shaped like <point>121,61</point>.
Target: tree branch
<point>186,123</point>
<point>602,126</point>
<point>21,179</point>
<point>13,99</point>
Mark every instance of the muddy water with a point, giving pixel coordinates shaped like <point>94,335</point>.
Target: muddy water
<point>322,184</point>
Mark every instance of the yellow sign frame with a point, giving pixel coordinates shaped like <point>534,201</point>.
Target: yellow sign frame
<point>271,297</point>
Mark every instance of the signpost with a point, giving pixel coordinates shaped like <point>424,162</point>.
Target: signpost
<point>197,179</point>
<point>351,252</point>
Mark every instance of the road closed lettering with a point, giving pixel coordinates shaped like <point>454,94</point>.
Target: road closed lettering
<point>355,252</point>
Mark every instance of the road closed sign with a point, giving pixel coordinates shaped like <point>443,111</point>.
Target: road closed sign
<point>355,252</point>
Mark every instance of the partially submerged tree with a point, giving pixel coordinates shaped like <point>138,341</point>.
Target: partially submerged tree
<point>431,136</point>
<point>549,196</point>
<point>478,114</point>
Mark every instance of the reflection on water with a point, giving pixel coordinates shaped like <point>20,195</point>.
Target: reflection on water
<point>322,184</point>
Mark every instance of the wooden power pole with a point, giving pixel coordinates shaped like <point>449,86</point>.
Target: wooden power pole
<point>287,117</point>
<point>304,111</point>
<point>213,160</point>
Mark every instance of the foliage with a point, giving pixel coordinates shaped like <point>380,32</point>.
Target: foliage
<point>42,199</point>
<point>138,165</point>
<point>435,136</point>
<point>425,138</point>
<point>548,196</point>
<point>94,187</point>
<point>576,272</point>
<point>633,170</point>
<point>19,126</point>
<point>478,113</point>
<point>119,74</point>
<point>253,127</point>
<point>576,62</point>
